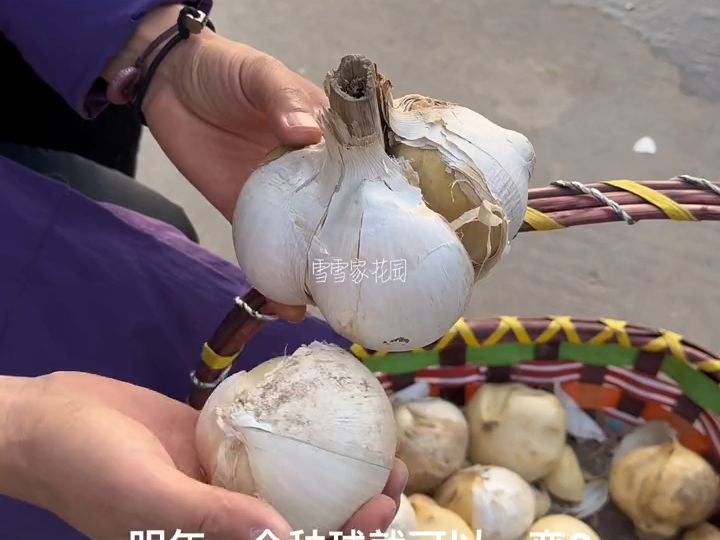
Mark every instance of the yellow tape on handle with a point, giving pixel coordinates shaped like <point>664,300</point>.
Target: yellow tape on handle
<point>669,207</point>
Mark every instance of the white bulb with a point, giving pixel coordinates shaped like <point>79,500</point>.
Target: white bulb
<point>312,434</point>
<point>386,247</point>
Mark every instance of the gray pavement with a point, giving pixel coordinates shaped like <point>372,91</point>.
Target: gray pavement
<point>583,80</point>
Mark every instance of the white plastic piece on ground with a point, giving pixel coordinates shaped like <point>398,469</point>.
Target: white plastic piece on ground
<point>645,145</point>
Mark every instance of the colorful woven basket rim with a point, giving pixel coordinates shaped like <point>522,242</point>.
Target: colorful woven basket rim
<point>631,372</point>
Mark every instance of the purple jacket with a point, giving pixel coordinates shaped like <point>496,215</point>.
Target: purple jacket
<point>92,287</point>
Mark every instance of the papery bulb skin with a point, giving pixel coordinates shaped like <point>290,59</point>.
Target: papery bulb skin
<point>312,434</point>
<point>407,278</point>
<point>281,205</point>
<point>479,154</point>
<point>450,194</point>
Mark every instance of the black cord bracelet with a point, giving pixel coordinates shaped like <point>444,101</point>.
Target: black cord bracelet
<point>190,21</point>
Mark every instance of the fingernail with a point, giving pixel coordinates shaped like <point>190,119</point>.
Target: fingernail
<point>300,119</point>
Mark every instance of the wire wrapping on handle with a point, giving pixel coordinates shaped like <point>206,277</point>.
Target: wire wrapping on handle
<point>567,204</point>
<point>563,204</point>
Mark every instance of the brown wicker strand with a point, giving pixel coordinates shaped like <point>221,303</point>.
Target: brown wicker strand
<point>572,203</point>
<point>659,185</point>
<point>575,202</point>
<point>639,212</point>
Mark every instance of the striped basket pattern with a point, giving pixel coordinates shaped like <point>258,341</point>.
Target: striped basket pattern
<point>631,373</point>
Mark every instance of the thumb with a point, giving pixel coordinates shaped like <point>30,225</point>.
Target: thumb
<point>288,101</point>
<point>219,514</point>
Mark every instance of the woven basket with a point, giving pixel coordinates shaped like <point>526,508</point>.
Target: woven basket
<point>631,373</point>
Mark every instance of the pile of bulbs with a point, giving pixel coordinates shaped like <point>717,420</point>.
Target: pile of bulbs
<point>505,465</point>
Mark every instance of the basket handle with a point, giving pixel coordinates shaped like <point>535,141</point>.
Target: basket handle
<point>229,339</point>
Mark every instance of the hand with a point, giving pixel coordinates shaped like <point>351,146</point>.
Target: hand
<point>109,457</point>
<point>217,108</point>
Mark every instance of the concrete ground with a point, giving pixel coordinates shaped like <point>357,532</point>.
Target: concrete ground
<point>583,80</point>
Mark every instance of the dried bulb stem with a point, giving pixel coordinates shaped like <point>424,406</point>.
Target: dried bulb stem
<point>353,93</point>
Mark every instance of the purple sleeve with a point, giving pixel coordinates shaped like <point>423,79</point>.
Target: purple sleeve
<point>96,288</point>
<point>68,43</point>
<point>87,286</point>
